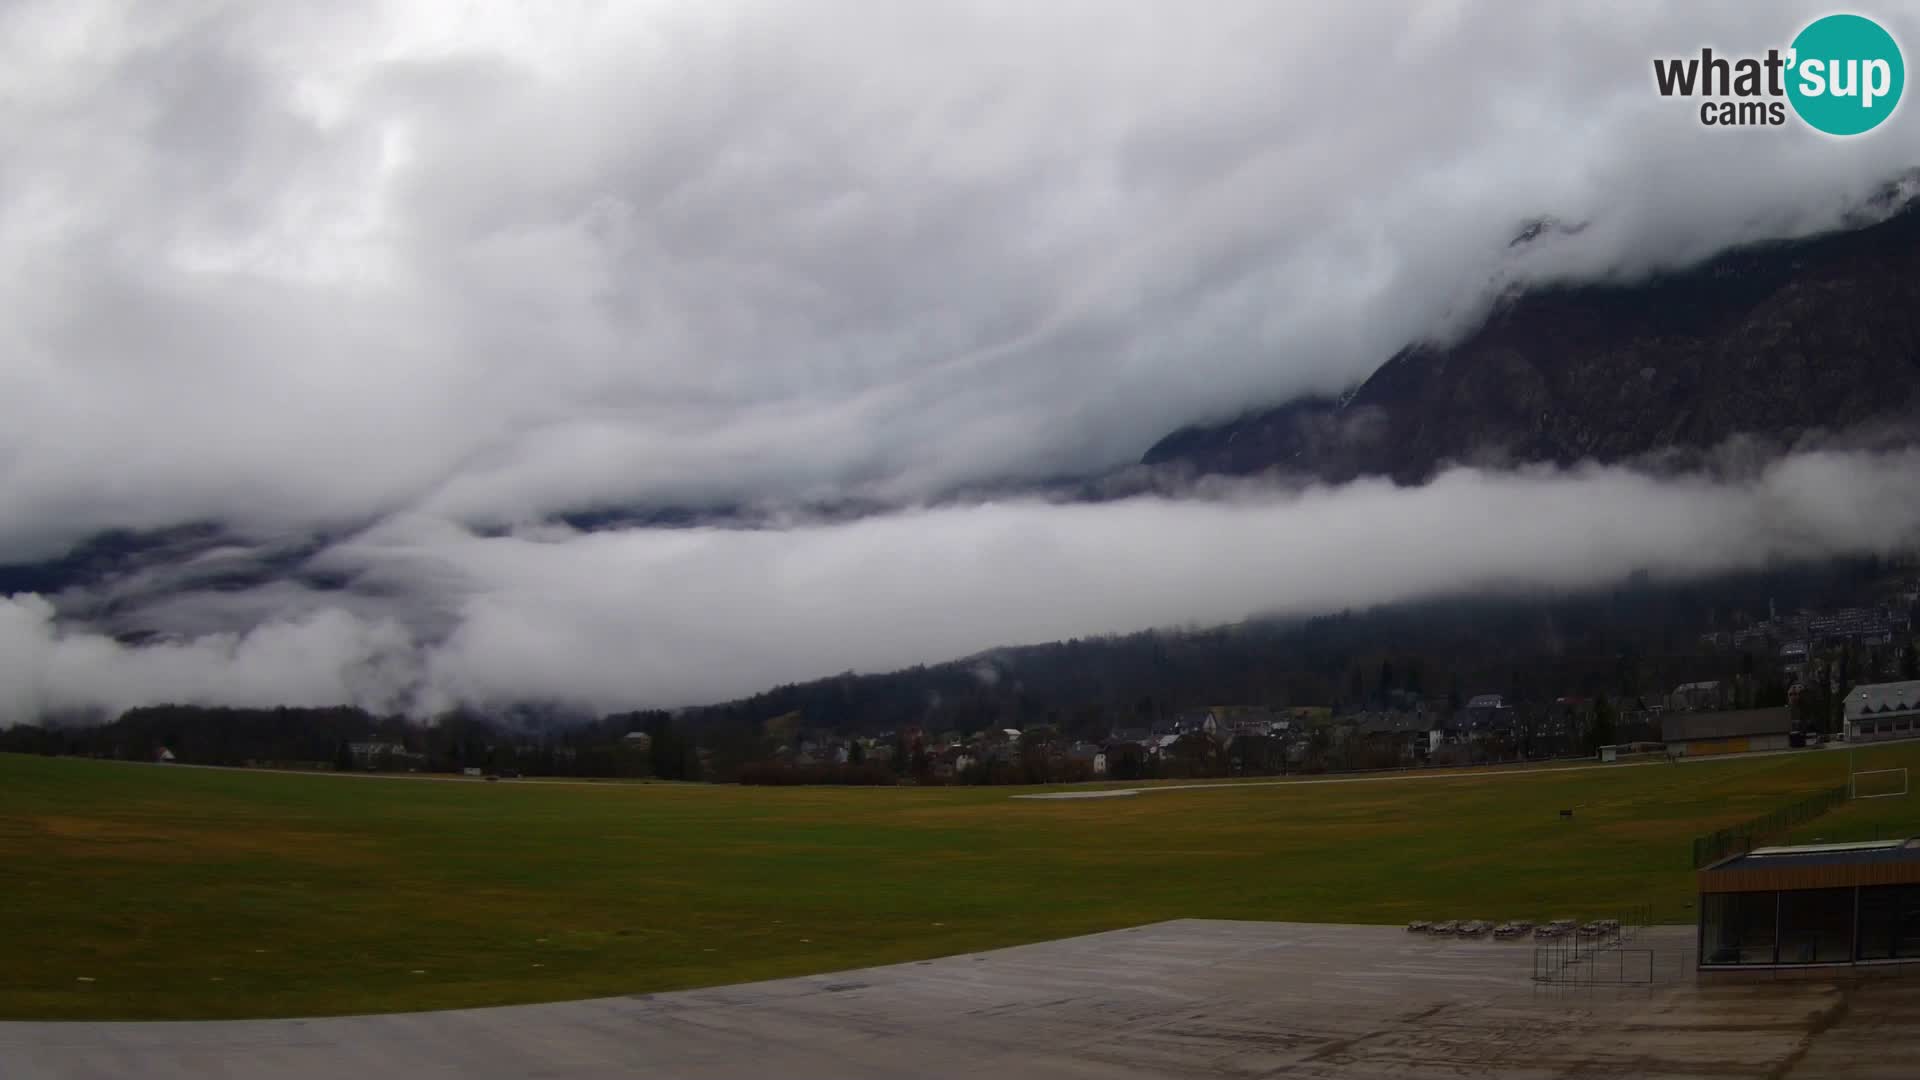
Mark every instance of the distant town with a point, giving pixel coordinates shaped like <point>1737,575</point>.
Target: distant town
<point>1782,680</point>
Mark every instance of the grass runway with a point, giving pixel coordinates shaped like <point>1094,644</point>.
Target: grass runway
<point>199,893</point>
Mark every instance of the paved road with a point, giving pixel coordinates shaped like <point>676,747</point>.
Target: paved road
<point>1187,998</point>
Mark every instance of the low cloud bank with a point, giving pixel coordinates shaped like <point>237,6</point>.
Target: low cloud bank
<point>438,615</point>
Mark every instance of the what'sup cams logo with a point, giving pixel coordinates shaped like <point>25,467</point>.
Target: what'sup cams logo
<point>1842,75</point>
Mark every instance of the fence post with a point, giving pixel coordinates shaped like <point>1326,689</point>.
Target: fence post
<point>1740,839</point>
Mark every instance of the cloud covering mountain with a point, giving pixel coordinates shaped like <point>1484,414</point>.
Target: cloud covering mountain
<point>407,271</point>
<point>604,620</point>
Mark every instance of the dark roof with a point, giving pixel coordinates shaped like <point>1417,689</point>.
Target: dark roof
<point>1816,866</point>
<point>1391,724</point>
<point>1685,727</point>
<point>1777,858</point>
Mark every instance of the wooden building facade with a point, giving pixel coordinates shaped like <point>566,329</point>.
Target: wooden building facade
<point>1820,904</point>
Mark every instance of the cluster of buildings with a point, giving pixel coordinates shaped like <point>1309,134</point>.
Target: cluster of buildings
<point>1254,739</point>
<point>1872,712</point>
<point>1796,682</point>
<point>950,755</point>
<point>1219,734</point>
<point>1695,718</point>
<point>1403,733</point>
<point>1797,634</point>
<point>1222,723</point>
<point>383,755</point>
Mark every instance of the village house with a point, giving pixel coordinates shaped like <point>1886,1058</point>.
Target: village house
<point>1867,626</point>
<point>1880,711</point>
<point>374,754</point>
<point>1561,730</point>
<point>952,761</point>
<point>1093,757</point>
<point>1793,658</point>
<point>1407,736</point>
<point>1200,721</point>
<point>1485,717</point>
<point>1250,722</point>
<point>1698,696</point>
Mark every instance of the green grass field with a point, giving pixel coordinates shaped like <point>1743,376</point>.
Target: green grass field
<point>205,893</point>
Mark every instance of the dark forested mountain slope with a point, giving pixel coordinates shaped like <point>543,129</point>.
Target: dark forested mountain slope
<point>1820,334</point>
<point>1638,639</point>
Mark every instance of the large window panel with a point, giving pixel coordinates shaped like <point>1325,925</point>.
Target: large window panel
<point>1879,922</point>
<point>1907,922</point>
<point>1816,926</point>
<point>1737,928</point>
<point>1758,914</point>
<point>1718,945</point>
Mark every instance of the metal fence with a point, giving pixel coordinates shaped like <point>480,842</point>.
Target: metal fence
<point>1744,837</point>
<point>1607,966</point>
<point>1642,967</point>
<point>1585,958</point>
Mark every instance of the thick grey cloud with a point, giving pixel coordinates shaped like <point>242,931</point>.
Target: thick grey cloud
<point>611,620</point>
<point>327,658</point>
<point>279,263</point>
<point>414,266</point>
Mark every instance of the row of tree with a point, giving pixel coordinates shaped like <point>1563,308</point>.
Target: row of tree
<point>1633,643</point>
<point>351,739</point>
<point>1624,646</point>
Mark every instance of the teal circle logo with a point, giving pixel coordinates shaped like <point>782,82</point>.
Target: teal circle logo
<point>1846,74</point>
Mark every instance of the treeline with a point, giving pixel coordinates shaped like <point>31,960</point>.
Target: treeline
<point>788,774</point>
<point>349,739</point>
<point>1631,644</point>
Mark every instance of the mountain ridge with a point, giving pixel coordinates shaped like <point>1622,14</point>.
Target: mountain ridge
<point>1782,341</point>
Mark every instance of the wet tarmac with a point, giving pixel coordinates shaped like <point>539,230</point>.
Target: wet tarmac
<point>1177,999</point>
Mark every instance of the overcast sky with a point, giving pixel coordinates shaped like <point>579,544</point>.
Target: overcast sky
<point>411,268</point>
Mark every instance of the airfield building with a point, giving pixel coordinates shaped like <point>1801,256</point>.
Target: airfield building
<point>1881,711</point>
<point>1820,904</point>
<point>1740,731</point>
